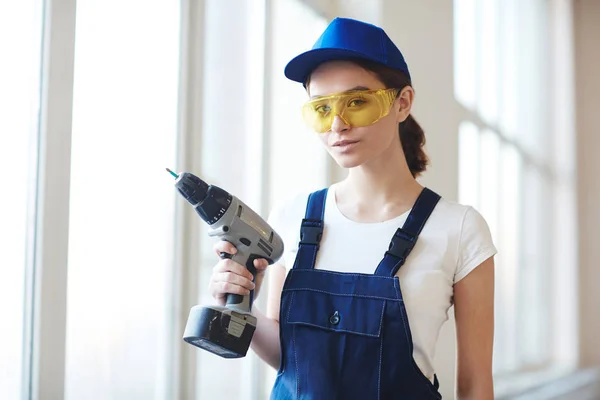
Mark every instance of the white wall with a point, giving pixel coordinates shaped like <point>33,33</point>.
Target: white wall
<point>587,59</point>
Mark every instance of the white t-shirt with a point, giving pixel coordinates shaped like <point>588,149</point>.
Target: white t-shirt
<point>454,241</point>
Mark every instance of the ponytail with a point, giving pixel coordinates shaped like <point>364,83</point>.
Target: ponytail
<point>412,138</point>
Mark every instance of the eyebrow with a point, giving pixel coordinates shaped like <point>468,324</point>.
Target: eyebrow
<point>345,91</point>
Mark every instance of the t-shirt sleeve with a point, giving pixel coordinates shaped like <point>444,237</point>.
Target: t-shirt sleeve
<point>475,244</point>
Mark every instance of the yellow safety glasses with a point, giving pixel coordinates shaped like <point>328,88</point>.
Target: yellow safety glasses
<point>356,108</point>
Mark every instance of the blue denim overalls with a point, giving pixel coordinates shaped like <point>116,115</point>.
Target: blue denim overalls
<point>346,335</point>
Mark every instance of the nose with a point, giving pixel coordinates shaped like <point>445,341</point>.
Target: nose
<point>339,125</point>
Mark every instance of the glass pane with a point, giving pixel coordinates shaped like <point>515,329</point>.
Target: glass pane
<point>20,44</point>
<point>487,62</point>
<point>535,335</point>
<point>489,178</point>
<point>508,261</point>
<point>121,212</point>
<point>468,157</point>
<point>534,92</point>
<point>465,83</point>
<point>296,27</point>
<point>508,74</point>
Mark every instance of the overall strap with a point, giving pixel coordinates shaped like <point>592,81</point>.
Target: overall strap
<point>311,230</point>
<point>405,238</point>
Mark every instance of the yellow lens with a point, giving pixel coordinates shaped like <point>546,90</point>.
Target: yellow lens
<point>357,108</point>
<point>363,110</point>
<point>318,115</point>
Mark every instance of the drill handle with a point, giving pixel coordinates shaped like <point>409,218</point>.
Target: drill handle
<point>237,301</point>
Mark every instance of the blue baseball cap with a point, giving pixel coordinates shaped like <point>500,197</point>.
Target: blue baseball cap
<point>347,39</point>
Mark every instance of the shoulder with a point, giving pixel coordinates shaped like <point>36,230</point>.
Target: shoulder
<point>466,219</point>
<point>449,218</point>
<point>457,217</point>
<point>470,235</point>
<point>450,211</point>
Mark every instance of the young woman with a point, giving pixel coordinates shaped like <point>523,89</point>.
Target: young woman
<point>374,262</point>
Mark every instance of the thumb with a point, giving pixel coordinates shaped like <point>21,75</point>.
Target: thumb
<point>260,264</point>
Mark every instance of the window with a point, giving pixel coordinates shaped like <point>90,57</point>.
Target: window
<point>121,212</point>
<point>507,171</point>
<point>20,47</point>
<point>298,160</point>
<point>253,142</point>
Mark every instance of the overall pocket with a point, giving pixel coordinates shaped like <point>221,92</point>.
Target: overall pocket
<point>337,343</point>
<point>337,313</point>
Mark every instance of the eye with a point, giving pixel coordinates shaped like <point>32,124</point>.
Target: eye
<point>356,102</point>
<point>323,109</point>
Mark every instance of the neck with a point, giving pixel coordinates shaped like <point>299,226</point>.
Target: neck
<point>384,185</point>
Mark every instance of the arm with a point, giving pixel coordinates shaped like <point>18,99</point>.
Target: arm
<point>265,342</point>
<point>474,311</point>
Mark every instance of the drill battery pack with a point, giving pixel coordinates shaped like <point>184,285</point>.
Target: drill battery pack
<point>220,330</point>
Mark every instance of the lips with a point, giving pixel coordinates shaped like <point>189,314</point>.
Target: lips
<point>342,143</point>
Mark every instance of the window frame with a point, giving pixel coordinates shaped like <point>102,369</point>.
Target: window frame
<point>45,368</point>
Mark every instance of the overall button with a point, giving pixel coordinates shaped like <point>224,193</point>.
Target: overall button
<point>335,318</point>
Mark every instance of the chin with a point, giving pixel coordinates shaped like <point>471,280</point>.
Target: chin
<point>348,161</point>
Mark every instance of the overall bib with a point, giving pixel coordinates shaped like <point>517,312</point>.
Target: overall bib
<point>346,335</point>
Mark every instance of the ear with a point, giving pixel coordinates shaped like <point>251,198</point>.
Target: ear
<point>403,103</point>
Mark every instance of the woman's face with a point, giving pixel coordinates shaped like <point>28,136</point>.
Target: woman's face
<point>354,146</point>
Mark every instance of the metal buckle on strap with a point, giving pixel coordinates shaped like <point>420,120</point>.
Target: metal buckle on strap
<point>402,244</point>
<point>311,232</point>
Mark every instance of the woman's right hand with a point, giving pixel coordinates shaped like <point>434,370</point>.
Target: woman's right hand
<point>229,277</point>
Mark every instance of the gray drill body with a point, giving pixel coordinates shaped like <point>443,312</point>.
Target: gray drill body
<point>227,330</point>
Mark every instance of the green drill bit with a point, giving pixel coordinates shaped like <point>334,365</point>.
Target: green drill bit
<point>173,173</point>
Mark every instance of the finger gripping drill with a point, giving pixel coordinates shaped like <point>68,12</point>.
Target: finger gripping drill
<point>227,330</point>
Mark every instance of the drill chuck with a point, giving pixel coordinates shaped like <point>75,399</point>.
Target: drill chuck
<point>192,188</point>
<point>210,202</point>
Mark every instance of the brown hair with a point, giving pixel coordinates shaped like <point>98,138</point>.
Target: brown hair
<point>411,134</point>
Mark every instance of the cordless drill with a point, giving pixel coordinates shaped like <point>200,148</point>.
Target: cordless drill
<point>227,331</point>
